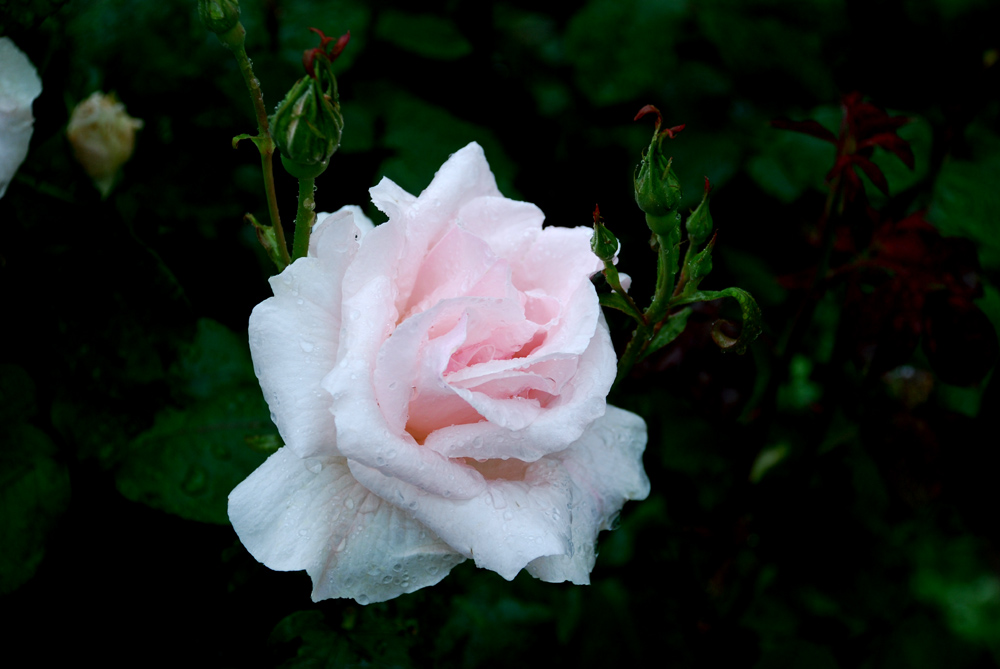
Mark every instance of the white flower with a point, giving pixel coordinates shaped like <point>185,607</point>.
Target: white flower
<point>19,86</point>
<point>440,384</point>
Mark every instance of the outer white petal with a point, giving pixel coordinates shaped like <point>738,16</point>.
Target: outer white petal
<point>19,86</point>
<point>605,466</point>
<point>294,514</point>
<point>424,220</point>
<point>294,337</point>
<point>504,527</point>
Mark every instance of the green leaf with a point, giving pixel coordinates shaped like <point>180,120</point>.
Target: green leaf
<point>193,456</point>
<point>191,459</point>
<point>966,201</point>
<point>748,309</point>
<point>215,360</point>
<point>669,331</point>
<point>616,301</point>
<point>34,492</point>
<point>422,136</point>
<point>423,34</point>
<point>623,49</point>
<point>789,163</point>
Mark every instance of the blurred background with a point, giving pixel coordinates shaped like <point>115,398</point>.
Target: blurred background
<point>826,500</point>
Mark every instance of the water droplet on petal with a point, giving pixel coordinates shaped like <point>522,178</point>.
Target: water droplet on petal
<point>507,515</point>
<point>362,599</point>
<point>306,345</point>
<point>315,466</point>
<point>349,503</point>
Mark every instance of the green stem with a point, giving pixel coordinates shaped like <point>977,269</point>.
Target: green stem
<point>305,218</point>
<point>666,270</point>
<point>234,40</point>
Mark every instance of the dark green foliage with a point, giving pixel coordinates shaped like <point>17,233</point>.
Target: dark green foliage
<point>827,500</point>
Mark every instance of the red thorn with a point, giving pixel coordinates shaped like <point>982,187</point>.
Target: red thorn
<point>650,109</point>
<point>597,214</point>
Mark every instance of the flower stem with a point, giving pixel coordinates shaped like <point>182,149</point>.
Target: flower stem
<point>234,40</point>
<point>305,218</point>
<point>666,269</point>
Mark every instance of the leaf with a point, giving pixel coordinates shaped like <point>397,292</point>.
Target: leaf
<point>621,49</point>
<point>34,491</point>
<point>966,201</point>
<point>423,34</point>
<point>191,459</point>
<point>748,309</point>
<point>616,301</point>
<point>789,163</point>
<point>194,455</point>
<point>216,359</point>
<point>669,331</point>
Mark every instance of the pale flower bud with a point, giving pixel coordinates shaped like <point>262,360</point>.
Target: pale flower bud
<point>103,138</point>
<point>19,86</point>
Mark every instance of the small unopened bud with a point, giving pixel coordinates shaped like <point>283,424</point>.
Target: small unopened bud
<point>219,16</point>
<point>103,138</point>
<point>699,223</point>
<point>657,189</point>
<point>604,244</point>
<point>307,126</point>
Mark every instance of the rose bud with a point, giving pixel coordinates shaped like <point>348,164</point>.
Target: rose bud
<point>440,386</point>
<point>604,244</point>
<point>657,189</point>
<point>307,126</point>
<point>219,16</point>
<point>699,223</point>
<point>19,86</point>
<point>102,135</point>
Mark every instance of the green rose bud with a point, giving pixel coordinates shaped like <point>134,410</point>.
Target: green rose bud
<point>219,16</point>
<point>699,223</point>
<point>307,126</point>
<point>657,189</point>
<point>604,244</point>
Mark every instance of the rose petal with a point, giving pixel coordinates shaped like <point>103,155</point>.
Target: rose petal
<point>294,338</point>
<point>546,518</point>
<point>294,514</point>
<point>556,262</point>
<point>508,226</point>
<point>19,86</point>
<point>363,434</point>
<point>605,466</point>
<point>506,526</point>
<point>563,421</point>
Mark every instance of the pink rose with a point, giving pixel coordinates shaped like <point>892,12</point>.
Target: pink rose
<point>439,382</point>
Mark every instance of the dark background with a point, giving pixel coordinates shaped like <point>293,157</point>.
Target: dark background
<point>826,500</point>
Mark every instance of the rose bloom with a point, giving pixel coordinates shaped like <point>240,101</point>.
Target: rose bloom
<point>440,384</point>
<point>19,86</point>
